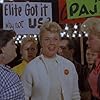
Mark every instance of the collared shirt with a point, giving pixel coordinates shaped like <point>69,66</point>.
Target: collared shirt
<point>10,85</point>
<point>93,79</point>
<point>19,69</point>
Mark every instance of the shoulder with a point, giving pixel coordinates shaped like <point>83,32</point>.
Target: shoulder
<point>64,60</point>
<point>8,77</point>
<point>66,64</point>
<point>34,61</point>
<point>32,64</point>
<point>20,66</point>
<point>17,66</point>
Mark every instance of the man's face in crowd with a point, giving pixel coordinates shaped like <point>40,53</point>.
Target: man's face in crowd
<point>64,49</point>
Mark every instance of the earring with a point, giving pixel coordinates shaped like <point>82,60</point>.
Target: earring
<point>0,51</point>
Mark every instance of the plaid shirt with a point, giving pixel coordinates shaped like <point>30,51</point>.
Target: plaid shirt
<point>10,85</point>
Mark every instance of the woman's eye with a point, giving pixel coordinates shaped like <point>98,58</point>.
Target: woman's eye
<point>56,38</point>
<point>46,39</point>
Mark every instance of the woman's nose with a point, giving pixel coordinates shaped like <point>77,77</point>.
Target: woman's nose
<point>60,51</point>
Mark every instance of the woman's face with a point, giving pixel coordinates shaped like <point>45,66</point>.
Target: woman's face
<point>94,43</point>
<point>29,51</point>
<point>50,44</point>
<point>91,56</point>
<point>9,51</point>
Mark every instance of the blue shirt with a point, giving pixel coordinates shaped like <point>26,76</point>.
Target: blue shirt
<point>11,87</point>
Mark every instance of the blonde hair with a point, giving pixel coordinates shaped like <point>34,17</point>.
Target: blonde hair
<point>51,27</point>
<point>28,39</point>
<point>91,26</point>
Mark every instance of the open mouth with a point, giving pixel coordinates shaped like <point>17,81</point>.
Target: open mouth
<point>51,48</point>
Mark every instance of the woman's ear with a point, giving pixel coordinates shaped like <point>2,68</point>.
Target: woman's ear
<point>1,56</point>
<point>2,49</point>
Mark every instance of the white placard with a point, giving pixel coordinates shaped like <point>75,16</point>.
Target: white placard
<point>26,17</point>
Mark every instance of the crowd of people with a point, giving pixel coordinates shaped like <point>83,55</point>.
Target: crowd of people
<point>53,74</point>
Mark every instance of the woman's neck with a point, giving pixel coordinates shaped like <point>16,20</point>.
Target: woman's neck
<point>3,60</point>
<point>90,66</point>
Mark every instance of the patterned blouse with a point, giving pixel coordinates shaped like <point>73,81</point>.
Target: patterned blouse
<point>10,85</point>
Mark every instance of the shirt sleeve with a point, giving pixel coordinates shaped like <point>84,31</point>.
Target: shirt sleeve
<point>76,93</point>
<point>13,90</point>
<point>27,81</point>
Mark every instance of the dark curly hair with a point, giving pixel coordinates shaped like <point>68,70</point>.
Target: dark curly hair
<point>5,37</point>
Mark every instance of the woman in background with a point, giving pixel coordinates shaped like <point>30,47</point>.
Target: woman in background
<point>91,57</point>
<point>92,27</point>
<point>28,51</point>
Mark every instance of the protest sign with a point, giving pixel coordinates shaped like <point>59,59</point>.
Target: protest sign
<point>26,17</point>
<point>82,8</point>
